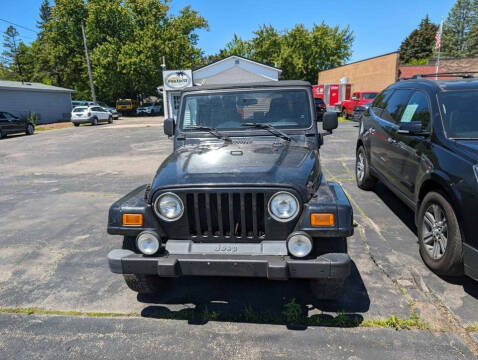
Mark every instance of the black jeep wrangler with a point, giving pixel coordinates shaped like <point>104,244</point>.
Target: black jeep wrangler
<point>242,194</point>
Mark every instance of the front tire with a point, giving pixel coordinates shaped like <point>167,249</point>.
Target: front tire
<point>94,122</point>
<point>439,235</point>
<point>365,180</point>
<point>327,289</point>
<point>344,113</point>
<point>2,134</point>
<point>30,130</point>
<point>145,284</point>
<point>142,283</point>
<point>110,120</point>
<point>76,124</point>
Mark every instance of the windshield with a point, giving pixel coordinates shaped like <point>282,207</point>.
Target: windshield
<point>147,104</point>
<point>228,111</point>
<point>79,109</point>
<point>124,102</point>
<point>460,113</point>
<point>369,96</point>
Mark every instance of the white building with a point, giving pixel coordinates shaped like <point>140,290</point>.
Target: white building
<point>231,70</point>
<point>235,69</point>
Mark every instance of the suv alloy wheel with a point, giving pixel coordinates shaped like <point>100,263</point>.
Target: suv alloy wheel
<point>365,180</point>
<point>439,235</point>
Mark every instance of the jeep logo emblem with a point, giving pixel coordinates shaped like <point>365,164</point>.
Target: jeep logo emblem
<point>225,248</point>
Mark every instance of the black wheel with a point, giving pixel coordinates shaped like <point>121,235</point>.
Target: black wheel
<point>344,113</point>
<point>30,129</point>
<point>76,124</point>
<point>364,179</point>
<point>94,122</point>
<point>110,120</point>
<point>439,235</point>
<point>145,284</point>
<point>141,283</point>
<point>2,134</point>
<point>327,289</point>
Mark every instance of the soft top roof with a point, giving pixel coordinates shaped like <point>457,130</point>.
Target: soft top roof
<point>271,84</point>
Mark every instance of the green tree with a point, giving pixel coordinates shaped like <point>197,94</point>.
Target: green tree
<point>237,46</point>
<point>419,44</point>
<point>11,55</point>
<point>456,29</point>
<point>299,52</point>
<point>45,15</point>
<point>472,38</point>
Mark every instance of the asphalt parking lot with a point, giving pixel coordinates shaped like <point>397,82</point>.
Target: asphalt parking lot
<point>56,289</point>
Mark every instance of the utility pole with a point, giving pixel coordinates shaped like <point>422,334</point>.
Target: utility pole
<point>90,75</point>
<point>165,96</point>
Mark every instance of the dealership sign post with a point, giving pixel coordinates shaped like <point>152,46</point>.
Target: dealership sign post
<point>174,81</point>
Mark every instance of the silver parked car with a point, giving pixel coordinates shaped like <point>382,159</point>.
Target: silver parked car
<point>90,114</point>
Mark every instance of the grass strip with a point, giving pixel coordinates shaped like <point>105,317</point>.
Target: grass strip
<point>292,315</point>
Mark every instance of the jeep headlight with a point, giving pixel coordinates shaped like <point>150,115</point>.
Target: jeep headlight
<point>169,207</point>
<point>283,206</point>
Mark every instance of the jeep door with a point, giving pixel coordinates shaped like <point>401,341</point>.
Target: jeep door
<point>410,148</point>
<point>386,157</point>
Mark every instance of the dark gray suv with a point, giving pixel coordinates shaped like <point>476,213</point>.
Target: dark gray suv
<point>420,138</point>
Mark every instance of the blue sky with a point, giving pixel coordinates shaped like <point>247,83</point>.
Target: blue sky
<point>379,26</point>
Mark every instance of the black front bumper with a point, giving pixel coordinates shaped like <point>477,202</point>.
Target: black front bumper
<point>328,266</point>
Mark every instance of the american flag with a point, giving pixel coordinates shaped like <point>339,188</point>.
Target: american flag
<point>438,37</point>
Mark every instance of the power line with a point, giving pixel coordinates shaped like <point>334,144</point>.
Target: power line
<point>17,25</point>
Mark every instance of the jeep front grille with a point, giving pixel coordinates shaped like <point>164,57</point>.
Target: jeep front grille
<point>227,215</point>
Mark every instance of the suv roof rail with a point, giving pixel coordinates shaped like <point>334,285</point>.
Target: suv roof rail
<point>462,74</point>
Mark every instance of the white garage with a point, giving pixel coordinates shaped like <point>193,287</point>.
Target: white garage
<point>49,103</point>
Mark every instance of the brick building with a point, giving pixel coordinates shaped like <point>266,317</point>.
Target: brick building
<point>376,73</point>
<point>371,74</point>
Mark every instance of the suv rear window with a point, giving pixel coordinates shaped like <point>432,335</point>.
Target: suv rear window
<point>460,113</point>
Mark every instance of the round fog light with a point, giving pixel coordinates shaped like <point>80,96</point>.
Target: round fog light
<point>147,243</point>
<point>299,244</point>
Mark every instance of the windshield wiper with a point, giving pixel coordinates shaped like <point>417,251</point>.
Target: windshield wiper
<point>209,130</point>
<point>269,128</point>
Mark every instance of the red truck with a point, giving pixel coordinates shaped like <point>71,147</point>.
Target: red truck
<point>358,98</point>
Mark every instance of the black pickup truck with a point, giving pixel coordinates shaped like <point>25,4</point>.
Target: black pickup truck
<point>242,194</point>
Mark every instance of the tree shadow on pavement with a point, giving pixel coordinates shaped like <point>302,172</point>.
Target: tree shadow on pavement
<point>253,300</point>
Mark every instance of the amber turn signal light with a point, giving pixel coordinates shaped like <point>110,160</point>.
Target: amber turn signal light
<point>322,219</point>
<point>132,219</point>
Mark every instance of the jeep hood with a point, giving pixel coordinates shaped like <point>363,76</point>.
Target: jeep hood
<point>241,165</point>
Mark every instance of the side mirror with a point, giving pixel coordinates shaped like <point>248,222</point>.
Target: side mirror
<point>169,126</point>
<point>330,121</point>
<point>411,128</point>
